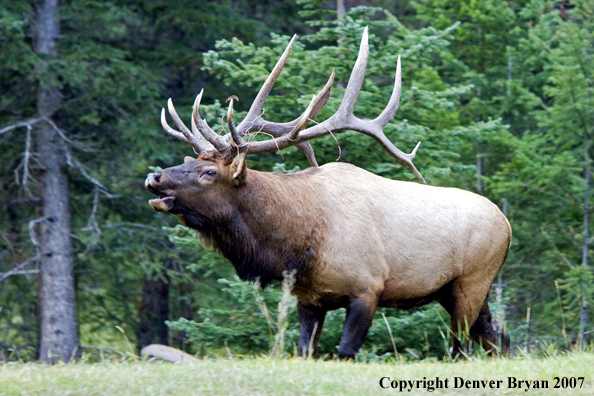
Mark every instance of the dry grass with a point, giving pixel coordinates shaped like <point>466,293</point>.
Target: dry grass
<point>265,376</point>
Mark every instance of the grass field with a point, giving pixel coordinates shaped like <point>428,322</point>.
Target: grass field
<point>264,376</point>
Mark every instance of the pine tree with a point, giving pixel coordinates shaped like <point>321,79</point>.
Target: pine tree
<point>550,174</point>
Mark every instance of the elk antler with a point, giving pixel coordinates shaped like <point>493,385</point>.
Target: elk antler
<point>293,133</point>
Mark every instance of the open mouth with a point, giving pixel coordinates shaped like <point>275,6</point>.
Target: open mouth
<point>162,204</point>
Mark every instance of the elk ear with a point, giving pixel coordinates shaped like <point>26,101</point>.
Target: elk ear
<point>238,169</point>
<point>188,159</point>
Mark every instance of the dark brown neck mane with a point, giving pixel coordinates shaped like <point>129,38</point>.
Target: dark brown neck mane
<point>260,232</point>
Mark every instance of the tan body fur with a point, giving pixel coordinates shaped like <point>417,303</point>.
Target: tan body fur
<point>403,240</point>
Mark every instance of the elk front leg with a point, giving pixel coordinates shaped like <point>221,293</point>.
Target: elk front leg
<point>311,319</point>
<point>358,321</point>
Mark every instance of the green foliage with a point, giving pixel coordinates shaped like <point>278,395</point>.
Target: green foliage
<point>577,283</point>
<point>549,176</point>
<point>245,326</point>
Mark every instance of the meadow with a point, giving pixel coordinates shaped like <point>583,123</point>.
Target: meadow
<point>268,376</point>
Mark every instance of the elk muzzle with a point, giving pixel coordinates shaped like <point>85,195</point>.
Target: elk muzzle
<point>162,204</point>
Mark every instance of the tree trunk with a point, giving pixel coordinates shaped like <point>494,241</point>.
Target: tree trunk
<point>56,297</point>
<point>509,79</point>
<point>585,247</point>
<point>340,9</point>
<point>479,169</point>
<point>154,311</point>
<point>186,311</point>
<point>479,159</point>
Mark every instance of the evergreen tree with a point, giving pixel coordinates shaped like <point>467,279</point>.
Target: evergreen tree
<point>72,91</point>
<point>550,176</point>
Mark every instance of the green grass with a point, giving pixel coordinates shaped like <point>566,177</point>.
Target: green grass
<point>265,376</point>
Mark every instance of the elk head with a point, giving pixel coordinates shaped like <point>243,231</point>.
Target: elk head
<point>221,159</point>
<point>196,190</point>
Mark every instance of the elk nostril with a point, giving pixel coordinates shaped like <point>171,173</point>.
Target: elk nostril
<point>157,177</point>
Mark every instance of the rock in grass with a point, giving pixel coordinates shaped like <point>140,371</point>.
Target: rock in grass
<point>167,353</point>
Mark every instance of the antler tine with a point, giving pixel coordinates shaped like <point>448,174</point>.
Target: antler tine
<point>171,131</point>
<point>258,103</point>
<point>403,158</point>
<point>375,128</point>
<point>355,83</point>
<point>234,133</point>
<point>388,113</point>
<point>200,127</point>
<point>197,142</point>
<point>254,122</point>
<point>293,127</point>
<point>305,148</point>
<point>316,104</point>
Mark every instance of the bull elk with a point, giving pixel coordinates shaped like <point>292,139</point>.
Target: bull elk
<point>354,239</point>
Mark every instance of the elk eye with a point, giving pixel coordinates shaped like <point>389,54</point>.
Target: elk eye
<point>209,173</point>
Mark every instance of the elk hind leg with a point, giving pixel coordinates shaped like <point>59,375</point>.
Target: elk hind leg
<point>489,334</point>
<point>463,302</point>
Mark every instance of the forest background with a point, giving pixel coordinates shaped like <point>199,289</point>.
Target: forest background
<point>499,93</point>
